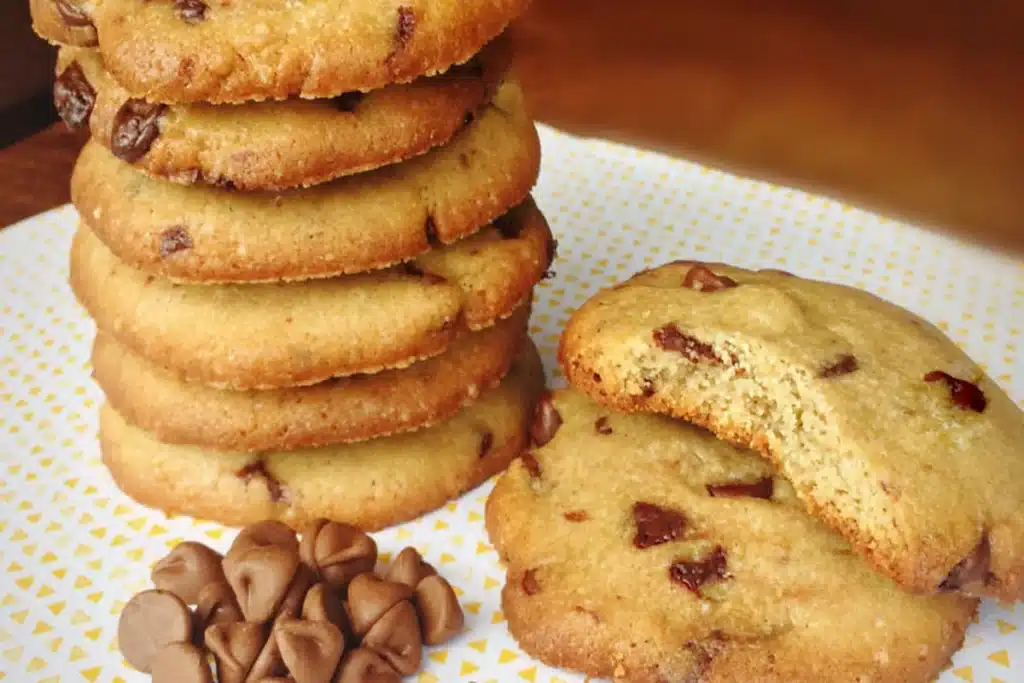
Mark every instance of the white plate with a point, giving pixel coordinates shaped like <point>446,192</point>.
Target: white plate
<point>73,548</point>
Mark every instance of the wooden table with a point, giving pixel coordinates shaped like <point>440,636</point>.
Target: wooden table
<point>34,173</point>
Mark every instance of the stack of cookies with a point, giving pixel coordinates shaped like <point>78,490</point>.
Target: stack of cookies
<point>883,492</point>
<point>309,248</point>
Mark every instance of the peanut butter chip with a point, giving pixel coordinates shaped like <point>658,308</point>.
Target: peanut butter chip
<point>265,533</point>
<point>261,577</point>
<point>369,597</point>
<point>235,648</point>
<point>366,666</point>
<point>181,663</point>
<point>396,636</point>
<point>441,617</point>
<point>311,650</point>
<point>323,603</point>
<point>187,569</point>
<point>216,605</point>
<point>409,568</point>
<point>151,620</point>
<point>337,552</point>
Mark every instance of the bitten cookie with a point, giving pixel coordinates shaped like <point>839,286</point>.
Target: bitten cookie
<point>62,22</point>
<point>221,51</point>
<point>372,484</point>
<point>336,411</point>
<point>643,549</point>
<point>279,145</point>
<point>264,336</point>
<point>351,225</point>
<point>889,432</point>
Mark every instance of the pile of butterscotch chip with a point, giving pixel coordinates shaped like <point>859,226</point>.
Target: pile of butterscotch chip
<point>278,607</point>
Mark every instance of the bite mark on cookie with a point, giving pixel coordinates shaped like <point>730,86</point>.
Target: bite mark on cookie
<point>259,469</point>
<point>656,525</point>
<point>173,240</point>
<point>966,395</point>
<point>693,574</point>
<point>845,365</point>
<point>191,11</point>
<point>703,279</point>
<point>546,421</point>
<point>136,127</point>
<point>73,96</point>
<point>762,488</point>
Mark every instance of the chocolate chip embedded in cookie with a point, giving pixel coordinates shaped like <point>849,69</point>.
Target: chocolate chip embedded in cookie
<point>888,431</point>
<point>74,96</point>
<point>63,22</point>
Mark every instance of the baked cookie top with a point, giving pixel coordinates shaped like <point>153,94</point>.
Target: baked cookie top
<point>221,51</point>
<point>888,431</point>
<point>337,411</point>
<point>276,145</point>
<point>62,22</point>
<point>644,549</point>
<point>275,335</point>
<point>362,222</point>
<point>371,484</point>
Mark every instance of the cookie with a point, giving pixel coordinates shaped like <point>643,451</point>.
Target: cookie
<point>220,51</point>
<point>336,411</point>
<point>271,335</point>
<point>62,22</point>
<point>371,484</point>
<point>351,225</point>
<point>644,549</point>
<point>889,432</point>
<point>280,145</point>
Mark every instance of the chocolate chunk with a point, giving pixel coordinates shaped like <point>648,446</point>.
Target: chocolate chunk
<point>843,366</point>
<point>404,27</point>
<point>259,469</point>
<point>261,576</point>
<point>151,620</point>
<point>173,240</point>
<point>703,279</point>
<point>509,225</point>
<point>72,14</point>
<point>529,461</point>
<point>671,338</point>
<point>337,552</point>
<point>181,663</point>
<point>136,127</point>
<point>348,101</point>
<point>966,395</point>
<point>971,574</point>
<point>73,96</point>
<point>441,617</point>
<point>486,443</point>
<point>235,648</point>
<point>762,488</point>
<point>369,597</point>
<point>396,636</point>
<point>187,569</point>
<point>363,665</point>
<point>529,582</point>
<point>430,229</point>
<point>324,602</point>
<point>409,568</point>
<point>216,604</point>
<point>546,420</point>
<point>694,574</point>
<point>656,525</point>
<point>576,515</point>
<point>191,11</point>
<point>603,426</point>
<point>311,650</point>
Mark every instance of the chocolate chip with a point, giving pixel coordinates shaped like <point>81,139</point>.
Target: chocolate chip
<point>694,574</point>
<point>671,338</point>
<point>603,426</point>
<point>173,240</point>
<point>529,461</point>
<point>546,420</point>
<point>971,574</point>
<point>576,516</point>
<point>703,279</point>
<point>396,636</point>
<point>235,648</point>
<point>529,582</point>
<point>509,225</point>
<point>966,395</point>
<point>186,570</point>
<point>136,127</point>
<point>337,552</point>
<point>323,602</point>
<point>405,26</point>
<point>191,11</point>
<point>216,604</point>
<point>370,597</point>
<point>409,568</point>
<point>844,366</point>
<point>150,620</point>
<point>441,617</point>
<point>362,665</point>
<point>311,650</point>
<point>656,524</point>
<point>486,443</point>
<point>72,14</point>
<point>73,96</point>
<point>181,663</point>
<point>268,532</point>
<point>348,101</point>
<point>261,577</point>
<point>259,469</point>
<point>762,488</point>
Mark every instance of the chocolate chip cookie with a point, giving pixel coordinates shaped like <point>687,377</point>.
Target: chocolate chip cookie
<point>336,411</point>
<point>292,143</point>
<point>263,336</point>
<point>888,431</point>
<point>371,484</point>
<point>221,51</point>
<point>63,22</point>
<point>366,221</point>
<point>643,549</point>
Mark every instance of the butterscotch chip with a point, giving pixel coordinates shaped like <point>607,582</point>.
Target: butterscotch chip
<point>409,568</point>
<point>187,569</point>
<point>370,597</point>
<point>363,665</point>
<point>441,617</point>
<point>311,650</point>
<point>181,663</point>
<point>216,604</point>
<point>396,636</point>
<point>235,648</point>
<point>261,577</point>
<point>337,552</point>
<point>151,620</point>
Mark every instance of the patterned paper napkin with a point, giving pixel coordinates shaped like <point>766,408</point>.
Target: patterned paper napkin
<point>72,548</point>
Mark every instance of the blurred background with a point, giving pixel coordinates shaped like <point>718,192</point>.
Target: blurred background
<point>26,71</point>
